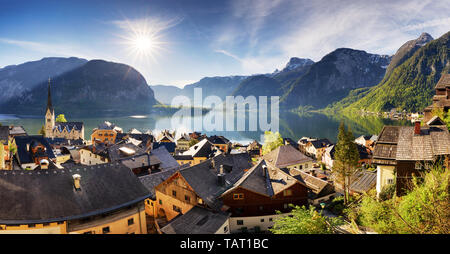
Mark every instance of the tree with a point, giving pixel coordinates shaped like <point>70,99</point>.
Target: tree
<point>305,221</point>
<point>61,119</point>
<point>271,141</point>
<point>12,151</point>
<point>423,210</point>
<point>42,130</point>
<point>346,159</point>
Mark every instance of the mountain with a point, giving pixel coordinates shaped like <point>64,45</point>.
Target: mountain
<point>17,80</point>
<point>407,50</point>
<point>95,88</point>
<point>334,76</point>
<point>211,86</point>
<point>258,85</point>
<point>165,94</point>
<point>274,84</point>
<point>411,84</point>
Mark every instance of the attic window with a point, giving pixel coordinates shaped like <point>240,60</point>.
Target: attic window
<point>238,196</point>
<point>127,150</point>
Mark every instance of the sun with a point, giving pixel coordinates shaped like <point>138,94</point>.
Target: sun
<point>143,39</point>
<point>144,44</point>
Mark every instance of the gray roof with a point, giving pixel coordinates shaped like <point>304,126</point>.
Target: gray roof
<point>152,180</point>
<point>69,126</point>
<point>166,159</point>
<point>40,196</point>
<point>286,155</point>
<point>198,220</point>
<point>317,186</point>
<point>17,130</point>
<point>364,181</point>
<point>443,82</point>
<point>203,176</point>
<point>267,181</point>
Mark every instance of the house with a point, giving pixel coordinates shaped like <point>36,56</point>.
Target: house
<point>201,151</point>
<point>328,157</point>
<point>256,197</point>
<point>287,156</point>
<point>72,201</point>
<point>365,156</point>
<point>68,130</point>
<point>303,142</point>
<point>367,141</point>
<point>104,133</point>
<point>32,151</point>
<point>222,143</point>
<point>402,151</point>
<point>319,190</point>
<point>183,143</point>
<point>143,140</point>
<point>16,131</point>
<point>317,147</point>
<point>442,98</point>
<point>165,136</point>
<point>199,185</point>
<point>199,220</point>
<point>184,159</point>
<point>254,149</point>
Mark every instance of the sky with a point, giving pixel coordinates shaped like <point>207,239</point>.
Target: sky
<point>179,42</point>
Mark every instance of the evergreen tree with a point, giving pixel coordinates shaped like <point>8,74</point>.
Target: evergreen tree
<point>346,159</point>
<point>42,130</point>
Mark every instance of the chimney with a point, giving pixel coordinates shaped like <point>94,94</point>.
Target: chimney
<point>76,181</point>
<point>417,128</point>
<point>264,170</point>
<point>221,179</point>
<point>220,169</point>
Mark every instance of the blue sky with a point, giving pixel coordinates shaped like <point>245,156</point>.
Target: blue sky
<point>211,38</point>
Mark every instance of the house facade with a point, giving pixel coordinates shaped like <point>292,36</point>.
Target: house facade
<point>442,98</point>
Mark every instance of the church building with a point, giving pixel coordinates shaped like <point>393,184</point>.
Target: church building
<point>53,129</point>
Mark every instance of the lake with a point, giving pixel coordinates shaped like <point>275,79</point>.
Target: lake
<point>291,125</point>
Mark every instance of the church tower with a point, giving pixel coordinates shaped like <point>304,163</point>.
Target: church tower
<point>49,115</point>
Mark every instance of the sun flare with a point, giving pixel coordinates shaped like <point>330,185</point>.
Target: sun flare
<point>143,39</point>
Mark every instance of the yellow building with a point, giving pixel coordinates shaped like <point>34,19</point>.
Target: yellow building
<point>199,152</point>
<point>70,201</point>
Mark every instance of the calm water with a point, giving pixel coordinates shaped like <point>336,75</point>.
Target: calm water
<point>291,125</point>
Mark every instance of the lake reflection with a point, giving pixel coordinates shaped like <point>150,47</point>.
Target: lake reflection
<point>290,124</point>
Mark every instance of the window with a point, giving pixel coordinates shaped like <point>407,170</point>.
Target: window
<point>32,225</point>
<point>306,165</point>
<point>238,196</point>
<point>240,222</point>
<point>105,230</point>
<point>130,221</point>
<point>187,198</point>
<point>160,202</point>
<point>88,233</point>
<point>174,193</point>
<point>46,224</point>
<point>270,219</point>
<point>285,206</point>
<point>287,193</point>
<point>225,229</point>
<point>176,209</point>
<point>301,166</point>
<point>390,181</point>
<point>262,220</point>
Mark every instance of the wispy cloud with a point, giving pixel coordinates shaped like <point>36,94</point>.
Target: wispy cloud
<point>50,49</point>
<point>273,31</point>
